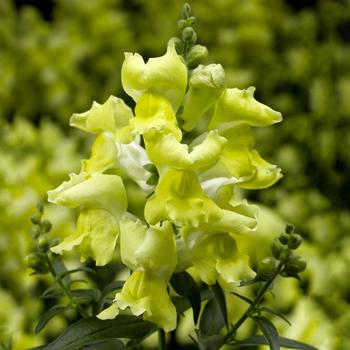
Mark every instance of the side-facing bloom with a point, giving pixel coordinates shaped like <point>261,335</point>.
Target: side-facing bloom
<point>150,251</point>
<point>165,75</point>
<point>102,200</point>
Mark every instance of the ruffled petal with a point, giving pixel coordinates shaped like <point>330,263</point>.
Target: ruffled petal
<point>96,235</point>
<point>111,116</point>
<point>240,164</point>
<point>154,112</point>
<point>145,293</point>
<point>150,247</point>
<point>237,105</point>
<point>104,155</point>
<point>215,256</point>
<point>165,150</point>
<point>97,191</point>
<point>179,198</point>
<point>165,75</point>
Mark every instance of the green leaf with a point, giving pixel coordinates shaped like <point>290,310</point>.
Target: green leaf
<point>111,287</point>
<point>86,295</point>
<point>79,269</point>
<point>276,313</point>
<point>220,298</point>
<point>46,317</point>
<point>283,342</point>
<point>185,286</point>
<point>92,329</point>
<point>242,297</point>
<point>212,342</point>
<point>212,320</point>
<point>108,344</point>
<point>59,267</point>
<point>269,331</point>
<point>181,304</point>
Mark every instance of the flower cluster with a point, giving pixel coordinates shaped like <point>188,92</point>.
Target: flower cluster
<point>160,183</point>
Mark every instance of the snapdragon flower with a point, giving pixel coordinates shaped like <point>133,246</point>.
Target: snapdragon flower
<point>190,214</point>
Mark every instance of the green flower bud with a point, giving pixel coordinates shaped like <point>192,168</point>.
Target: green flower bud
<point>290,228</point>
<point>188,35</point>
<point>46,226</point>
<point>44,244</point>
<point>266,266</point>
<point>40,207</point>
<point>294,241</point>
<point>36,219</point>
<point>36,262</point>
<point>35,231</point>
<point>191,20</point>
<point>197,55</point>
<point>295,264</point>
<point>182,24</point>
<point>284,238</point>
<point>277,248</point>
<point>186,10</point>
<point>179,47</point>
<point>286,255</point>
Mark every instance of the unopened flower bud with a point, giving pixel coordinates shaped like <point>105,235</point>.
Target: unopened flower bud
<point>186,10</point>
<point>182,24</point>
<point>191,20</point>
<point>35,231</point>
<point>36,262</point>
<point>284,238</point>
<point>36,219</point>
<point>295,264</point>
<point>40,207</point>
<point>44,244</point>
<point>188,35</point>
<point>290,228</point>
<point>266,266</point>
<point>277,248</point>
<point>179,47</point>
<point>46,226</point>
<point>197,55</point>
<point>294,241</point>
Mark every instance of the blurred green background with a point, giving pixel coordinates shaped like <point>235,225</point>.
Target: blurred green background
<point>57,56</point>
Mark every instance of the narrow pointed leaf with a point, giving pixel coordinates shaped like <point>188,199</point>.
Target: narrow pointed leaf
<point>109,344</point>
<point>220,298</point>
<point>86,295</point>
<point>212,320</point>
<point>284,343</point>
<point>276,313</point>
<point>46,317</point>
<point>80,269</point>
<point>185,286</point>
<point>269,331</point>
<point>92,329</point>
<point>242,297</point>
<point>111,287</point>
<point>212,342</point>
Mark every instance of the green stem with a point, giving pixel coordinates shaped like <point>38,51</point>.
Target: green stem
<point>253,305</point>
<point>161,339</point>
<point>66,292</point>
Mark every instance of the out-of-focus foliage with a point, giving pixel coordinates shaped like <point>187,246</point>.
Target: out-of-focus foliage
<point>32,158</point>
<point>295,52</point>
<point>57,67</point>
